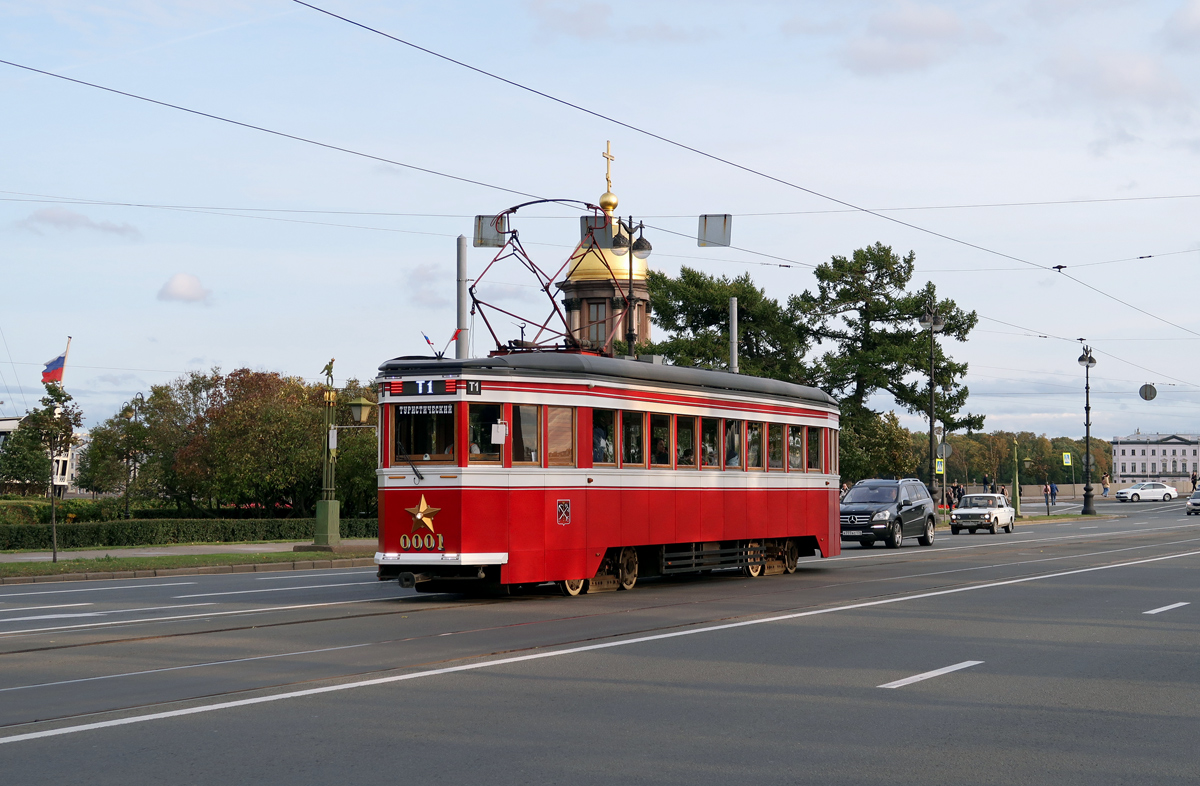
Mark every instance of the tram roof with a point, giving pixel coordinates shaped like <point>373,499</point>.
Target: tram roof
<point>594,366</point>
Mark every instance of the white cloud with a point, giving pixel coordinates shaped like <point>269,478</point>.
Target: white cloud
<point>68,221</point>
<point>430,285</point>
<point>909,37</point>
<point>1182,30</point>
<point>184,287</point>
<point>1116,79</point>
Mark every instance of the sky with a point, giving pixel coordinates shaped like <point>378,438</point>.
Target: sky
<point>250,249</point>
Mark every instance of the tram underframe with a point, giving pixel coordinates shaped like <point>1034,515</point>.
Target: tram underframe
<point>623,566</point>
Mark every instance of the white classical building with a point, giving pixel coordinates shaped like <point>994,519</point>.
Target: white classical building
<point>1169,458</point>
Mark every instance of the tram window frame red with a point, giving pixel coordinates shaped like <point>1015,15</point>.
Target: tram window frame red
<point>762,454</point>
<point>640,417</point>
<point>819,432</point>
<point>719,446</point>
<point>548,451</point>
<point>536,461</point>
<point>418,458</point>
<point>795,439</point>
<point>612,437</point>
<point>781,430</point>
<point>660,417</point>
<point>835,464</point>
<point>738,431</point>
<point>695,443</point>
<point>499,454</point>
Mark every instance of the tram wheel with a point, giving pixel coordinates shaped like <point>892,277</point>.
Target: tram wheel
<point>627,568</point>
<point>791,555</point>
<point>572,587</point>
<point>751,570</point>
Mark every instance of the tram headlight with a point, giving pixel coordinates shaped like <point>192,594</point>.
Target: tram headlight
<point>882,515</point>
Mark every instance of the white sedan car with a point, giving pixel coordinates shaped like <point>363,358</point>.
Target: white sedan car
<point>983,511</point>
<point>1152,490</point>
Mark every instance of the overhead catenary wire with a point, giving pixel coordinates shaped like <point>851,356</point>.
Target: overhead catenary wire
<point>16,376</point>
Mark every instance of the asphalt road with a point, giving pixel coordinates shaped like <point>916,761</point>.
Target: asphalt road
<point>1055,654</point>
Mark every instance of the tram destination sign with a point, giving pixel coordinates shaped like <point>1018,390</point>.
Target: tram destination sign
<point>424,409</point>
<point>423,387</point>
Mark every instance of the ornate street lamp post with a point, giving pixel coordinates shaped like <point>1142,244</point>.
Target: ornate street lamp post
<point>934,323</point>
<point>641,249</point>
<point>1088,362</point>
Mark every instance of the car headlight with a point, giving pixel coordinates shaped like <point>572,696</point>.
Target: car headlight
<point>882,515</point>
<point>954,517</point>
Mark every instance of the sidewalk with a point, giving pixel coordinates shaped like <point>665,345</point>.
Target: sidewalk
<point>167,551</point>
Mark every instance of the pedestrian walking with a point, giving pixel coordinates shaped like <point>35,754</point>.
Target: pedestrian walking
<point>1104,485</point>
<point>1003,490</point>
<point>1053,494</point>
<point>1046,493</point>
<point>1195,478</point>
<point>845,488</point>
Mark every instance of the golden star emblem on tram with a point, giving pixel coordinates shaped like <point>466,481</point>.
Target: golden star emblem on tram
<point>422,515</point>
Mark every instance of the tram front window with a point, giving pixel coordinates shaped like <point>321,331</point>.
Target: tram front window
<point>424,432</point>
<point>685,442</point>
<point>525,434</point>
<point>733,444</point>
<point>710,442</point>
<point>480,419</point>
<point>603,436</point>
<point>633,425</point>
<point>775,446</point>
<point>660,440</point>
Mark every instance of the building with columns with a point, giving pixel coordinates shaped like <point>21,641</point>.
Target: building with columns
<point>1167,458</point>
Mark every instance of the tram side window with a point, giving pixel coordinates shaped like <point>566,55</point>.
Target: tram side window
<point>660,440</point>
<point>633,425</point>
<point>526,428</point>
<point>560,440</point>
<point>796,448</point>
<point>685,442</point>
<point>775,446</point>
<point>604,432</point>
<point>480,419</point>
<point>834,456</point>
<point>815,464</point>
<point>733,444</point>
<point>424,432</point>
<point>710,442</point>
<point>754,446</point>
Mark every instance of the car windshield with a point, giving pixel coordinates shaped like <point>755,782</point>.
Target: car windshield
<point>868,494</point>
<point>1196,494</point>
<point>979,501</point>
<point>1137,486</point>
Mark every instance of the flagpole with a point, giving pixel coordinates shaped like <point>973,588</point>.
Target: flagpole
<point>66,355</point>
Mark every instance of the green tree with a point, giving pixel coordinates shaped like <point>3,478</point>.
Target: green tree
<point>358,455</point>
<point>865,316</point>
<point>24,461</point>
<point>694,310</point>
<point>54,425</point>
<point>874,445</point>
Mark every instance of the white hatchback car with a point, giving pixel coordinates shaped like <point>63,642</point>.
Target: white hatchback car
<point>1151,490</point>
<point>983,511</point>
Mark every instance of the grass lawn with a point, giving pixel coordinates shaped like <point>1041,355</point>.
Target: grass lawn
<point>113,564</point>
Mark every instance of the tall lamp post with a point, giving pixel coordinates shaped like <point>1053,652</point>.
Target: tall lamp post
<point>640,249</point>
<point>934,323</point>
<point>1088,362</point>
<point>1016,495</point>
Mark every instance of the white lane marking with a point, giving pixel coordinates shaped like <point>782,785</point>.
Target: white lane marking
<point>1167,608</point>
<point>225,705</point>
<point>966,664</point>
<point>179,668</point>
<point>7,633</point>
<point>104,613</point>
<point>328,573</point>
<point>39,608</point>
<point>96,589</point>
<point>276,589</point>
<point>1089,528</point>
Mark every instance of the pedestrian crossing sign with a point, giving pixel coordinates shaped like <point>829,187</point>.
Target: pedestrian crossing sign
<point>941,466</point>
<point>1066,459</point>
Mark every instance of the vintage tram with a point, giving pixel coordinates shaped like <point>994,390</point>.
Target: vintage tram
<point>592,471</point>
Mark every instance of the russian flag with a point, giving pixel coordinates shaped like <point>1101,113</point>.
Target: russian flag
<point>53,372</point>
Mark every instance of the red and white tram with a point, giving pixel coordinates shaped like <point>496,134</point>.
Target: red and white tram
<point>593,471</point>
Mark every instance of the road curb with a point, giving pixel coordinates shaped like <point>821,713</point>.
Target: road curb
<point>261,567</point>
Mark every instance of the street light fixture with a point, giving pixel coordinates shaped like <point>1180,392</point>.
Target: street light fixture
<point>1088,362</point>
<point>933,322</point>
<point>641,249</point>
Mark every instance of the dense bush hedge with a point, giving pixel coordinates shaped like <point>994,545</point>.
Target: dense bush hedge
<point>153,532</point>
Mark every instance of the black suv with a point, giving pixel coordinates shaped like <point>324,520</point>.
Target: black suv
<point>890,510</point>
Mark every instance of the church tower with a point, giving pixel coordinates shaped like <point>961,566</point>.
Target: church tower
<point>594,302</point>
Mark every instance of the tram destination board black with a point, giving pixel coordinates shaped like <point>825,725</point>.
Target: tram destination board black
<point>423,387</point>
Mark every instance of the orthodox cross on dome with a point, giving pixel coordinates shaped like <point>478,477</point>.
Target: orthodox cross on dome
<point>608,163</point>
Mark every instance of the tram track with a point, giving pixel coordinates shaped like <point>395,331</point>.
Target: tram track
<point>675,628</point>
